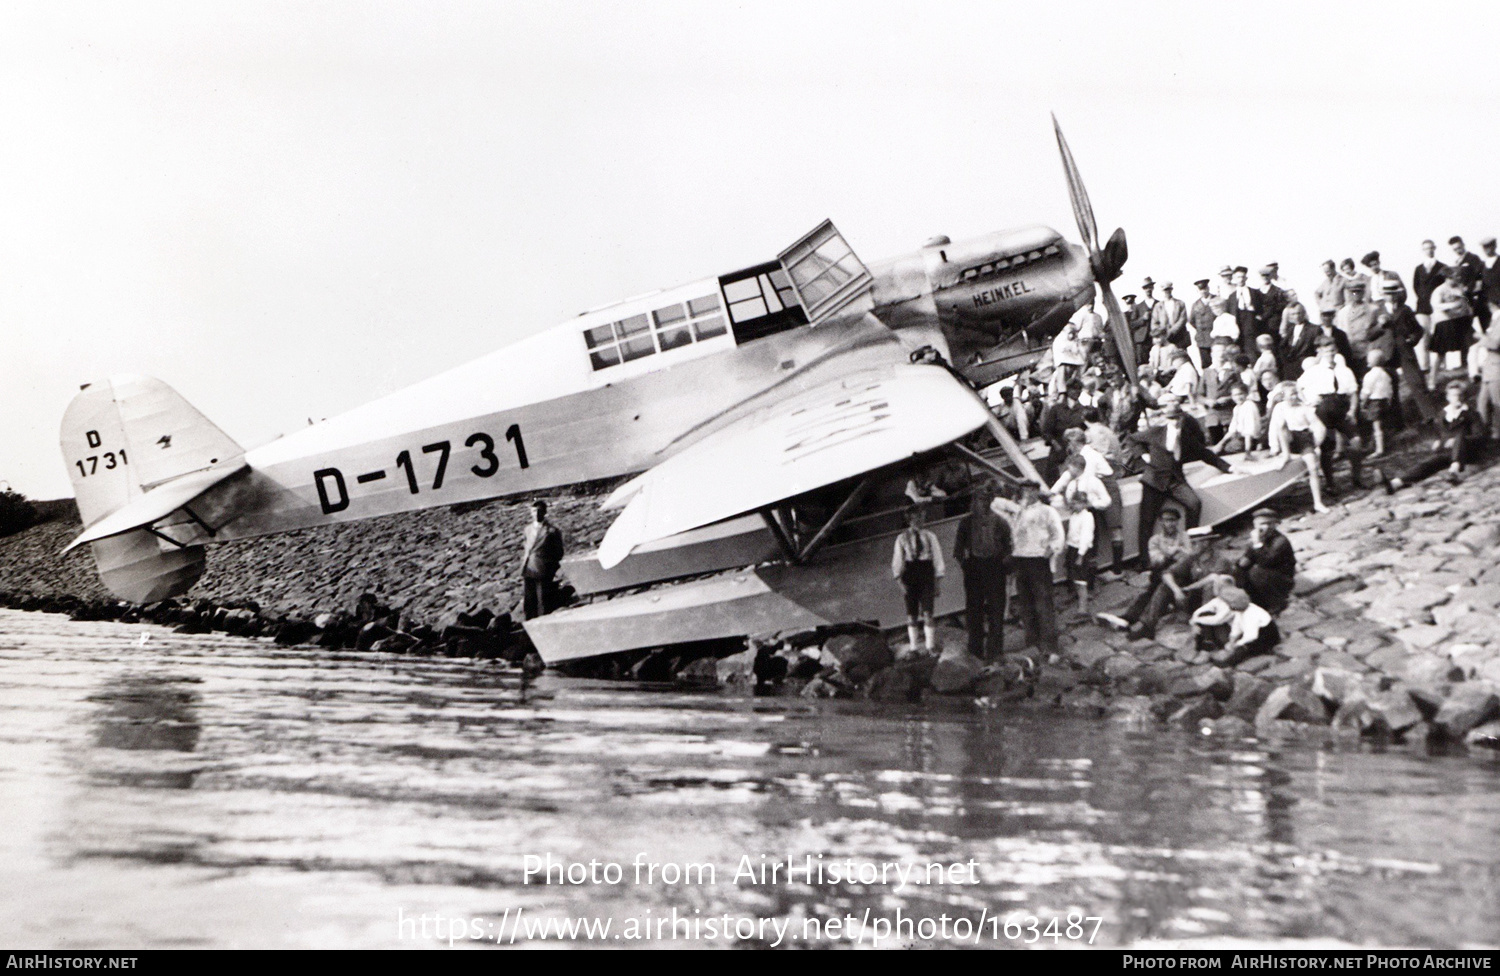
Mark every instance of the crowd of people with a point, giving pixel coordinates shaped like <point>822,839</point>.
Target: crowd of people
<point>1243,374</point>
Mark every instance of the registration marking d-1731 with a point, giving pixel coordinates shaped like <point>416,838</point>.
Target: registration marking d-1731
<point>333,490</point>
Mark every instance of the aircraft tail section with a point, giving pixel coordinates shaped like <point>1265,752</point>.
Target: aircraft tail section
<point>121,438</point>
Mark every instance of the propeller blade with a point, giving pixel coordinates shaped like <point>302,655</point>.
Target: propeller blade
<point>1112,257</point>
<point>1083,211</point>
<point>1124,341</point>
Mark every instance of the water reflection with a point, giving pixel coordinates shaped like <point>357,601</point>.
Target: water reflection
<point>338,788</point>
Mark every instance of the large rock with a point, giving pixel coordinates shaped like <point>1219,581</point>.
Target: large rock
<point>1193,711</point>
<point>1291,703</point>
<point>1395,710</point>
<point>956,671</point>
<point>1481,537</point>
<point>1206,681</point>
<point>1088,653</point>
<point>1249,694</point>
<point>1119,666</point>
<point>1467,708</point>
<point>1334,685</point>
<point>859,656</point>
<point>1420,637</point>
<point>1429,669</point>
<point>737,669</point>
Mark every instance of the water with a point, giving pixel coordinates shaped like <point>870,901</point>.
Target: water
<point>211,791</point>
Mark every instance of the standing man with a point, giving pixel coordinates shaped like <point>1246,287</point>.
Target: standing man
<point>1224,287</point>
<point>1470,270</point>
<point>1036,532</point>
<point>1090,328</point>
<point>1331,388</point>
<point>1329,293</point>
<point>1245,306</point>
<point>1273,302</point>
<point>1175,441</point>
<point>1138,318</point>
<point>1355,319</point>
<point>1424,281</point>
<point>1489,278</point>
<point>1201,318</point>
<point>917,564</point>
<point>543,556</point>
<point>1378,278</point>
<point>983,547</point>
<point>1402,335</point>
<point>1170,316</point>
<point>1298,338</point>
<point>1148,298</point>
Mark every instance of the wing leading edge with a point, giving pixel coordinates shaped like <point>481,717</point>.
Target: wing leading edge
<point>857,423</point>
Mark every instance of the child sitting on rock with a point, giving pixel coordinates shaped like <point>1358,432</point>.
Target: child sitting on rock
<point>1233,628</point>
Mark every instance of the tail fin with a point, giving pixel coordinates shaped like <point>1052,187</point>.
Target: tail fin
<point>120,438</point>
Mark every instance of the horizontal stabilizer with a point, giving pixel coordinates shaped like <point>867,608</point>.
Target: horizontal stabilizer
<point>838,430</point>
<point>159,502</point>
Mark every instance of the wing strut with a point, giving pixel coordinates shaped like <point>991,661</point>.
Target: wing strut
<point>834,520</point>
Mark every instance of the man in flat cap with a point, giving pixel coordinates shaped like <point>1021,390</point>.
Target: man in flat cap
<point>1201,319</point>
<point>1356,319</point>
<point>1245,306</point>
<point>1138,318</point>
<point>1273,302</point>
<point>1268,569</point>
<point>1170,318</point>
<point>1225,285</point>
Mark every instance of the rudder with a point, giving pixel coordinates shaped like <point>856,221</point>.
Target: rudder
<point>119,438</point>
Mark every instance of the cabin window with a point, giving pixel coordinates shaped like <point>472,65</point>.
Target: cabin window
<point>643,335</point>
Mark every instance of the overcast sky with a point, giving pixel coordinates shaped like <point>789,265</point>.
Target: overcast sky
<point>286,209</point>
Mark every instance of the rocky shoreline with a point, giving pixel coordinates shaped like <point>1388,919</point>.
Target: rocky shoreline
<point>1393,633</point>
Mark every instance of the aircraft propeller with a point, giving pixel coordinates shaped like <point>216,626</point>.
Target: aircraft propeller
<point>1105,261</point>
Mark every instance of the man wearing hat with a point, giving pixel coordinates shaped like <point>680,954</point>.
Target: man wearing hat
<point>1245,306</point>
<point>1138,318</point>
<point>1379,278</point>
<point>543,556</point>
<point>1424,281</point>
<point>1268,569</point>
<point>1201,318</point>
<point>1175,440</point>
<point>1329,293</point>
<point>1273,302</point>
<point>1356,319</point>
<point>1170,318</point>
<point>1148,298</point>
<point>1397,334</point>
<point>1225,285</point>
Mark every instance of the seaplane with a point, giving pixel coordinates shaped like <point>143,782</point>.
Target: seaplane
<point>760,424</point>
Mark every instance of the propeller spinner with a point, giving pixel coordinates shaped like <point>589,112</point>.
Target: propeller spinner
<point>1105,261</point>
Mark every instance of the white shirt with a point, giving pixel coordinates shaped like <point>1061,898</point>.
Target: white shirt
<point>1090,325</point>
<point>1245,420</point>
<point>1226,326</point>
<point>1174,437</point>
<point>1319,380</point>
<point>1184,382</point>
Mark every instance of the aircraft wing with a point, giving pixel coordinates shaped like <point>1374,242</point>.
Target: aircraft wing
<point>159,502</point>
<point>845,427</point>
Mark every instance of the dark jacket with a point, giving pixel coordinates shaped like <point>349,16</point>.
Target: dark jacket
<point>1201,318</point>
<point>1275,555</point>
<point>1297,346</point>
<point>962,542</point>
<point>1424,282</point>
<point>1391,330</point>
<point>1491,283</point>
<point>1162,470</point>
<point>1272,304</point>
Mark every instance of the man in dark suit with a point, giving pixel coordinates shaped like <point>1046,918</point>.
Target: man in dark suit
<point>1470,270</point>
<point>1298,342</point>
<point>1424,281</point>
<point>1172,443</point>
<point>1245,305</point>
<point>1273,302</point>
